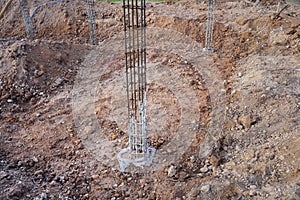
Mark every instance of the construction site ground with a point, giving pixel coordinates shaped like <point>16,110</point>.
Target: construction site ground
<point>225,124</point>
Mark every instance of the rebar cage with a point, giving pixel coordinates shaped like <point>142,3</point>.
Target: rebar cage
<point>135,58</point>
<point>210,25</point>
<point>31,28</point>
<point>92,21</point>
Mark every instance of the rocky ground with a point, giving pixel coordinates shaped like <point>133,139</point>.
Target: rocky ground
<point>225,124</point>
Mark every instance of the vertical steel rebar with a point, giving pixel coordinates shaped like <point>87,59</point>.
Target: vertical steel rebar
<point>3,10</point>
<point>135,59</point>
<point>92,21</point>
<point>210,25</point>
<point>26,18</point>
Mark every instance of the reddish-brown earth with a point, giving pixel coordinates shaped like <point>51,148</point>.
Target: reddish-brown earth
<point>228,121</point>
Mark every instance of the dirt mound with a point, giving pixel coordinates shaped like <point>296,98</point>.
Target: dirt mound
<point>62,20</point>
<point>32,70</point>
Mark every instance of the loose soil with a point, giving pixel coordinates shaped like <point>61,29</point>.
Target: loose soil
<point>225,124</point>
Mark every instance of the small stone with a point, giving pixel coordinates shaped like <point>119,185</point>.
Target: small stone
<point>194,193</point>
<point>40,73</point>
<point>44,196</point>
<point>204,169</point>
<point>192,158</point>
<point>36,173</point>
<point>10,100</point>
<point>58,81</point>
<point>61,178</point>
<point>142,182</point>
<point>245,36</point>
<point>3,175</point>
<point>272,16</point>
<point>214,160</point>
<point>172,171</point>
<point>251,193</point>
<point>241,21</point>
<point>20,163</point>
<point>264,131</point>
<point>245,121</point>
<point>52,183</point>
<point>281,157</point>
<point>278,38</point>
<point>252,187</point>
<point>229,125</point>
<point>14,63</point>
<point>77,142</point>
<point>230,165</point>
<point>96,176</point>
<point>250,155</point>
<point>114,136</point>
<point>205,188</point>
<point>34,159</point>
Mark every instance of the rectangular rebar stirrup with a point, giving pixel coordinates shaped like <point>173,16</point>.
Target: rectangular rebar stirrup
<point>135,61</point>
<point>210,25</point>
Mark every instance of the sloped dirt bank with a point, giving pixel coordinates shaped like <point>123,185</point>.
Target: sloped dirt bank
<point>228,120</point>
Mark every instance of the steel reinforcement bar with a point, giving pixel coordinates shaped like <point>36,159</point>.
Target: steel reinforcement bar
<point>135,56</point>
